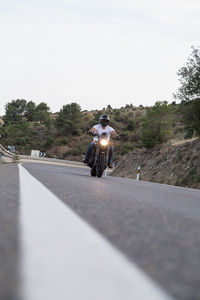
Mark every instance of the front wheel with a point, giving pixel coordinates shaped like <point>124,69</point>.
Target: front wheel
<point>93,171</point>
<point>101,165</point>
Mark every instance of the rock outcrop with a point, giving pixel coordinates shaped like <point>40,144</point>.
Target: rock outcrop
<point>175,165</point>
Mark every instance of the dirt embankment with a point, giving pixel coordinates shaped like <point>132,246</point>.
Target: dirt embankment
<point>170,164</point>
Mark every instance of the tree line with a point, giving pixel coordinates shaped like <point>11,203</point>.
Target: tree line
<point>155,126</point>
<point>68,121</point>
<point>158,122</point>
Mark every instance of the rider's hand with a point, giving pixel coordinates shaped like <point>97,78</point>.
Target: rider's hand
<point>116,138</point>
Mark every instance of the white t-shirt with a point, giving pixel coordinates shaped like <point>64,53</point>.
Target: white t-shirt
<point>108,129</point>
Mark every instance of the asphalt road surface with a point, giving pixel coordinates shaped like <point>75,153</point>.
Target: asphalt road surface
<point>9,231</point>
<point>157,227</point>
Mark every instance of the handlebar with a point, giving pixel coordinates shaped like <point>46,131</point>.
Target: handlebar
<point>93,133</point>
<point>96,134</point>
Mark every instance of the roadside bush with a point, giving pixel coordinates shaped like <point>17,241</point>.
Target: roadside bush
<point>134,137</point>
<point>64,141</point>
<point>124,136</point>
<point>77,131</point>
<point>16,158</point>
<point>157,124</point>
<point>21,141</point>
<point>124,148</point>
<point>191,117</point>
<point>49,141</point>
<point>72,152</point>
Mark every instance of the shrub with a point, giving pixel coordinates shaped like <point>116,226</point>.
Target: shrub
<point>21,141</point>
<point>131,125</point>
<point>49,141</point>
<point>157,124</point>
<point>72,152</point>
<point>64,141</point>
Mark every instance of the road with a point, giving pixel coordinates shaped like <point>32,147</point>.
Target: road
<point>155,227</point>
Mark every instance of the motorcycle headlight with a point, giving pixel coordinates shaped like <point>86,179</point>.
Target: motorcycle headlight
<point>104,142</point>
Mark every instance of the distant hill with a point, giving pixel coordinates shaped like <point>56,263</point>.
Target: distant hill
<point>46,137</point>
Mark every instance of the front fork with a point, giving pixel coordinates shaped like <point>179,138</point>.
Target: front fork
<point>106,152</point>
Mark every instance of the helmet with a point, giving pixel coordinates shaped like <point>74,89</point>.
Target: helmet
<point>104,120</point>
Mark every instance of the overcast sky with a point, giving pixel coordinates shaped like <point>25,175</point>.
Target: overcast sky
<point>94,52</point>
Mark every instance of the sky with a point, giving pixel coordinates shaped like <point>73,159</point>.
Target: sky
<point>94,52</point>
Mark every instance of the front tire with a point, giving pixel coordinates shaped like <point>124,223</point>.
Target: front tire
<point>101,165</point>
<point>93,171</point>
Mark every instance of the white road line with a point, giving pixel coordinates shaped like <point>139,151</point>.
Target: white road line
<point>64,258</point>
<point>54,163</point>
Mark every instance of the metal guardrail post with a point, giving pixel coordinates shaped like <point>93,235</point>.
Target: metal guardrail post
<point>138,174</point>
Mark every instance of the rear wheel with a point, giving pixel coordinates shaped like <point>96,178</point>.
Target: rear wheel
<point>101,165</point>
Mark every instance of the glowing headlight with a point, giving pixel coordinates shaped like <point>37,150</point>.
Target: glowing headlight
<point>104,142</point>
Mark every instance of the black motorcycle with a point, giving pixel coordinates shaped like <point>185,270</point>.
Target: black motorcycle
<point>98,160</point>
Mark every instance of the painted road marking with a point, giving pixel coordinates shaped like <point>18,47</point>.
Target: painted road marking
<point>60,164</point>
<point>64,258</point>
<point>55,163</point>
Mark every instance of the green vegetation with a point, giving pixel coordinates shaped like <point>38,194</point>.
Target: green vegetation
<point>157,124</point>
<point>18,110</point>
<point>189,93</point>
<point>69,120</point>
<point>189,77</point>
<point>191,117</point>
<point>30,126</point>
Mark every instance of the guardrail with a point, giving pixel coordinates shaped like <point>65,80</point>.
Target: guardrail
<point>5,155</point>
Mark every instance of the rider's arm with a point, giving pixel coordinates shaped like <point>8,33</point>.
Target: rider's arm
<point>114,133</point>
<point>92,129</point>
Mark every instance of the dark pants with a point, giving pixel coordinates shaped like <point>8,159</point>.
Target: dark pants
<point>92,146</point>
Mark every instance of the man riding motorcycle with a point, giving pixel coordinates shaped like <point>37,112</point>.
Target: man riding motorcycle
<point>102,127</point>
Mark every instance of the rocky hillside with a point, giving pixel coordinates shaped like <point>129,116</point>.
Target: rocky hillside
<point>171,164</point>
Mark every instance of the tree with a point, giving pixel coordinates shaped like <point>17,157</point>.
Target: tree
<point>30,111</point>
<point>157,124</point>
<point>189,77</point>
<point>96,118</point>
<point>189,93</point>
<point>69,120</point>
<point>15,110</point>
<point>191,117</point>
<point>109,107</point>
<point>42,112</point>
<point>128,106</point>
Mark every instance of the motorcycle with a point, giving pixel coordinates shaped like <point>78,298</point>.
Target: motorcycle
<point>98,160</point>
